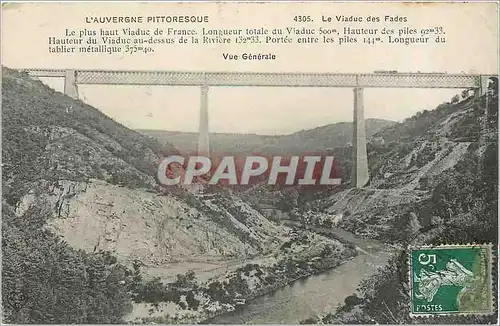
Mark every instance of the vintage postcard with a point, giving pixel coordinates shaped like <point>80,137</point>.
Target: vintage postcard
<point>249,162</point>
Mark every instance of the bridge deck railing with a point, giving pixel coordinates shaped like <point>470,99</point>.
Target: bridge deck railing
<point>179,78</point>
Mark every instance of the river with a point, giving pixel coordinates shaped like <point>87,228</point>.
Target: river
<point>313,295</point>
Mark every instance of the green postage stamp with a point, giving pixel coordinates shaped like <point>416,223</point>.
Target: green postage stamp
<point>451,279</point>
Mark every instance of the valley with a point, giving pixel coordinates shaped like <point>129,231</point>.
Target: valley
<point>87,224</point>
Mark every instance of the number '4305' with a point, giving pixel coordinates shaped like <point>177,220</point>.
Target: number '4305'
<point>302,19</point>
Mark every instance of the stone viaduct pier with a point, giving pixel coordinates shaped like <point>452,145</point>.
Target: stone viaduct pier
<point>204,80</point>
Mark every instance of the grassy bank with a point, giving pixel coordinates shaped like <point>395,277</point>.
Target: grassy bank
<point>190,301</point>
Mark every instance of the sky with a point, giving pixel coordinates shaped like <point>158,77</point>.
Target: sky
<point>472,46</point>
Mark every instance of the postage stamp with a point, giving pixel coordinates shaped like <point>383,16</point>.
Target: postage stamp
<point>451,279</point>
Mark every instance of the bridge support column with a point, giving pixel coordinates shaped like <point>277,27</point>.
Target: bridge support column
<point>483,82</point>
<point>203,140</point>
<point>359,174</point>
<point>70,87</point>
<point>484,85</point>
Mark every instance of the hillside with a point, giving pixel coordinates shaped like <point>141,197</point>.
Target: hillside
<point>85,217</point>
<point>434,180</point>
<point>87,166</point>
<point>48,136</point>
<point>412,163</point>
<point>317,139</point>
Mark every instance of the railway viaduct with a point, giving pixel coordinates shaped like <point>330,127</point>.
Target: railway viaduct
<point>204,80</point>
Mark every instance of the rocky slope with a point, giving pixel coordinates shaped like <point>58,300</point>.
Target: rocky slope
<point>93,182</point>
<point>98,177</point>
<point>406,164</point>
<point>152,228</point>
<point>434,180</point>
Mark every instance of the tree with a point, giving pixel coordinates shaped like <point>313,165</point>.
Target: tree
<point>45,281</point>
<point>186,282</point>
<point>465,94</point>
<point>414,224</point>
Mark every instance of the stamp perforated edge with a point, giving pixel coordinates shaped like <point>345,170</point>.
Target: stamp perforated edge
<point>488,246</point>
